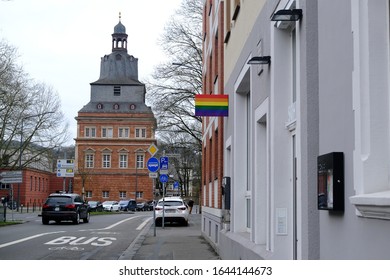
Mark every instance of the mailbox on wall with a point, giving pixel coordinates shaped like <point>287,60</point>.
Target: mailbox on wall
<point>226,191</point>
<point>331,181</point>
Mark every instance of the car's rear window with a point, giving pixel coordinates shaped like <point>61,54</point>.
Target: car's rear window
<point>59,200</point>
<point>171,203</point>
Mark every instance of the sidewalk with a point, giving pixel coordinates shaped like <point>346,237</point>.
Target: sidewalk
<point>174,242</point>
<point>19,216</point>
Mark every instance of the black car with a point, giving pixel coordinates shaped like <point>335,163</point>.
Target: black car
<point>65,207</point>
<point>145,206</point>
<point>12,205</point>
<point>95,206</point>
<point>127,205</point>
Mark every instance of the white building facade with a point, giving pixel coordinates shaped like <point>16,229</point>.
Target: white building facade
<point>325,91</point>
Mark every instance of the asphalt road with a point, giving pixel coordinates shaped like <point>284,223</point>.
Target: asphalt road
<point>105,237</point>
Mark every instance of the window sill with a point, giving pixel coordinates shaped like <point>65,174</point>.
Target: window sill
<point>374,205</point>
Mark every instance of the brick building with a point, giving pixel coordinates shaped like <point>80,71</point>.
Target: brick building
<point>115,130</point>
<point>213,127</point>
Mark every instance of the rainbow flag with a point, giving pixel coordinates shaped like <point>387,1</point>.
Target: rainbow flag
<point>210,105</point>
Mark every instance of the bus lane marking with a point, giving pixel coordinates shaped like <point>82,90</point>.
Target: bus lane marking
<point>28,238</point>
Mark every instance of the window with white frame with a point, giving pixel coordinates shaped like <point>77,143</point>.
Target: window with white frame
<point>139,194</point>
<point>88,194</point>
<point>5,186</point>
<point>123,160</point>
<point>90,132</point>
<point>140,161</point>
<point>140,132</point>
<point>107,132</point>
<point>105,194</point>
<point>371,95</point>
<point>106,161</point>
<point>243,152</point>
<point>123,132</point>
<point>89,160</point>
<point>122,194</point>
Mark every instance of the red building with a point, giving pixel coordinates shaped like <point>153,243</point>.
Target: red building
<point>115,130</point>
<point>213,127</point>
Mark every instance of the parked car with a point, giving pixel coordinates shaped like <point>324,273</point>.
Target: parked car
<point>127,205</point>
<point>150,205</point>
<point>95,206</point>
<point>12,205</point>
<point>141,206</point>
<point>63,207</point>
<point>175,210</point>
<point>111,205</point>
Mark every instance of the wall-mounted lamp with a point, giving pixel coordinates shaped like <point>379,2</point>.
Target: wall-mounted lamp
<point>287,15</point>
<point>260,60</point>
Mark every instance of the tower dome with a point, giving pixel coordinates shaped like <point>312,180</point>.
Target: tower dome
<point>119,37</point>
<point>119,28</point>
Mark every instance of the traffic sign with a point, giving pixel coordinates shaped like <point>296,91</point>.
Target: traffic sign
<point>11,177</point>
<point>153,175</point>
<point>152,149</point>
<point>10,180</point>
<point>6,174</point>
<point>163,178</point>
<point>65,172</point>
<point>164,163</point>
<point>65,168</point>
<point>153,164</point>
<point>175,185</point>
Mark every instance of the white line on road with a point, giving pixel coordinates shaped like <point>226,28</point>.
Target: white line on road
<point>141,226</point>
<point>118,223</point>
<point>28,238</point>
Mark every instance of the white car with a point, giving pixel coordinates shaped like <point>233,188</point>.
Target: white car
<point>111,206</point>
<point>175,210</point>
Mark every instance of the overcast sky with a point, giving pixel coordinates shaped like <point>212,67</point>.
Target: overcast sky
<point>60,42</point>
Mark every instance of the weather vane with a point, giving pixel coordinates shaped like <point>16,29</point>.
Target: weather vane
<point>120,16</point>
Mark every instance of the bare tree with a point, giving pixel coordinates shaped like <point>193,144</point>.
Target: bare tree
<point>31,121</point>
<point>176,81</point>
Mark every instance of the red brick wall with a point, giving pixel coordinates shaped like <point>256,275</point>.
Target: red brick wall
<point>212,161</point>
<point>35,188</point>
<point>114,179</point>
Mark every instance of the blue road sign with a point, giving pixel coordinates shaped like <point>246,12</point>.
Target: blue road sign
<point>153,164</point>
<point>163,178</point>
<point>176,185</point>
<point>164,163</point>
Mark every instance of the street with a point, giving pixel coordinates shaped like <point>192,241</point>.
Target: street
<point>105,237</point>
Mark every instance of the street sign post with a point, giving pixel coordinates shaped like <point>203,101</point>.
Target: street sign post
<point>153,165</point>
<point>65,168</point>
<point>163,178</point>
<point>164,165</point>
<point>11,177</point>
<point>152,150</point>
